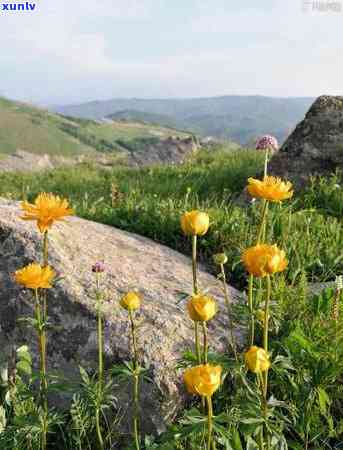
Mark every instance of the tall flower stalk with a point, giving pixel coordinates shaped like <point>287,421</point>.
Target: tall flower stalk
<point>45,211</point>
<point>44,388</point>
<point>194,224</point>
<point>221,259</point>
<point>131,302</point>
<point>262,261</point>
<point>38,279</point>
<point>195,292</point>
<point>270,189</point>
<point>98,269</point>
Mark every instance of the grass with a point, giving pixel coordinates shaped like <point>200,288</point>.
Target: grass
<point>149,202</point>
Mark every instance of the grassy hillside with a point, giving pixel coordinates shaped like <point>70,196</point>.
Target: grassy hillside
<point>38,131</point>
<point>239,118</point>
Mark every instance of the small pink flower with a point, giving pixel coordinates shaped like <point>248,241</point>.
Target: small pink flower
<point>98,267</point>
<point>267,142</point>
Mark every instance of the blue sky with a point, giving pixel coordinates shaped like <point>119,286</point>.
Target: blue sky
<point>69,51</point>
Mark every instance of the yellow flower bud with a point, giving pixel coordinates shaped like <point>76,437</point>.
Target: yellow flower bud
<point>260,315</point>
<point>195,223</point>
<point>201,308</point>
<point>220,258</point>
<point>131,301</point>
<point>257,359</point>
<point>203,380</point>
<point>264,259</point>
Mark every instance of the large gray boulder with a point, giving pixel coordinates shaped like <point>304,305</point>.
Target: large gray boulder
<point>159,273</point>
<point>316,145</point>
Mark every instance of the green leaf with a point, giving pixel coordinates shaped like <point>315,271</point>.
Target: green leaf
<point>251,444</point>
<point>236,443</point>
<point>323,400</point>
<point>24,354</point>
<point>3,420</point>
<point>24,367</point>
<point>4,373</point>
<point>84,375</point>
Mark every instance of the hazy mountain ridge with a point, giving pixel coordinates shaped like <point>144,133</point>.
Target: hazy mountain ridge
<point>36,138</point>
<point>29,128</point>
<point>239,118</point>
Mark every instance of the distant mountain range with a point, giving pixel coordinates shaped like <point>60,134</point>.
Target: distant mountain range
<point>238,118</point>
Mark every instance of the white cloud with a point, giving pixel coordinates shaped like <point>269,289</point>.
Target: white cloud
<point>71,50</point>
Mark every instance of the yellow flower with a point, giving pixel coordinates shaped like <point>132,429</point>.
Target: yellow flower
<point>270,188</point>
<point>46,209</point>
<point>201,308</point>
<point>264,259</point>
<point>257,360</point>
<point>195,223</point>
<point>34,276</point>
<point>203,380</point>
<point>131,301</point>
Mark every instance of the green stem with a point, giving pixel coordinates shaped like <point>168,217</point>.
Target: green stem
<point>135,383</point>
<point>100,363</point>
<point>45,249</point>
<point>209,422</point>
<point>204,329</point>
<point>134,340</point>
<point>264,230</point>
<point>261,230</point>
<point>251,308</point>
<point>197,343</point>
<point>195,292</point>
<point>261,385</point>
<point>43,331</point>
<point>42,372</point>
<point>194,264</point>
<point>266,162</point>
<point>198,353</point>
<point>265,345</point>
<point>98,428</point>
<point>232,340</point>
<point>266,314</point>
<point>136,402</point>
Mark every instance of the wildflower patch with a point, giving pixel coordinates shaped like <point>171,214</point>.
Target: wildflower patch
<point>17,7</point>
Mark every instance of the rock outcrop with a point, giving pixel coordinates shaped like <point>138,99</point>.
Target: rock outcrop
<point>158,151</point>
<point>173,150</point>
<point>158,272</point>
<point>316,145</point>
